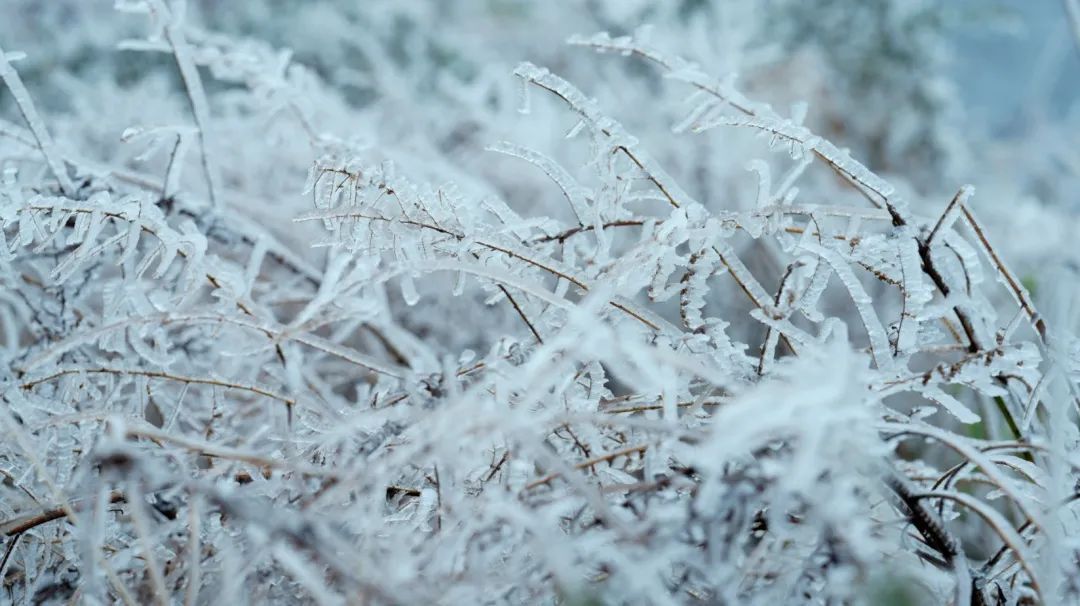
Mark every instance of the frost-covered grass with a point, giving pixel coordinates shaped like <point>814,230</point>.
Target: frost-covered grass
<point>465,303</point>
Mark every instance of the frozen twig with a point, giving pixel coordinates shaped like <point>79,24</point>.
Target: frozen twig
<point>37,127</point>
<point>173,27</point>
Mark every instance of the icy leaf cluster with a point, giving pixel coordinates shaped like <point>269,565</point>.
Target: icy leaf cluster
<point>390,320</point>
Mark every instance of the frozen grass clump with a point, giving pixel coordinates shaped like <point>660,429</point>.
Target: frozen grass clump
<point>435,328</point>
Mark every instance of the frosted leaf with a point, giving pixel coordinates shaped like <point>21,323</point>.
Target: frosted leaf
<point>329,289</point>
<point>972,274</point>
<point>879,342</point>
<point>952,406</point>
<point>695,115</point>
<point>147,260</point>
<point>686,71</point>
<point>529,71</point>
<point>153,352</point>
<point>94,226</point>
<point>787,191</point>
<point>82,225</point>
<point>169,250</point>
<point>601,40</point>
<point>916,294</point>
<point>575,194</point>
<point>6,248</point>
<point>854,226</point>
<point>154,46</point>
<point>408,290</point>
<point>768,351</point>
<point>255,262</point>
<point>665,265</point>
<point>26,229</point>
<point>1037,475</point>
<point>853,168</point>
<point>798,112</point>
<point>195,244</point>
<point>764,185</point>
<point>575,130</point>
<point>524,97</point>
<point>507,215</point>
<point>795,334</point>
<point>695,289</point>
<point>131,132</point>
<point>459,284</point>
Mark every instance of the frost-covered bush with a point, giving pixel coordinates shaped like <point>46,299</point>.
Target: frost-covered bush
<point>439,309</point>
